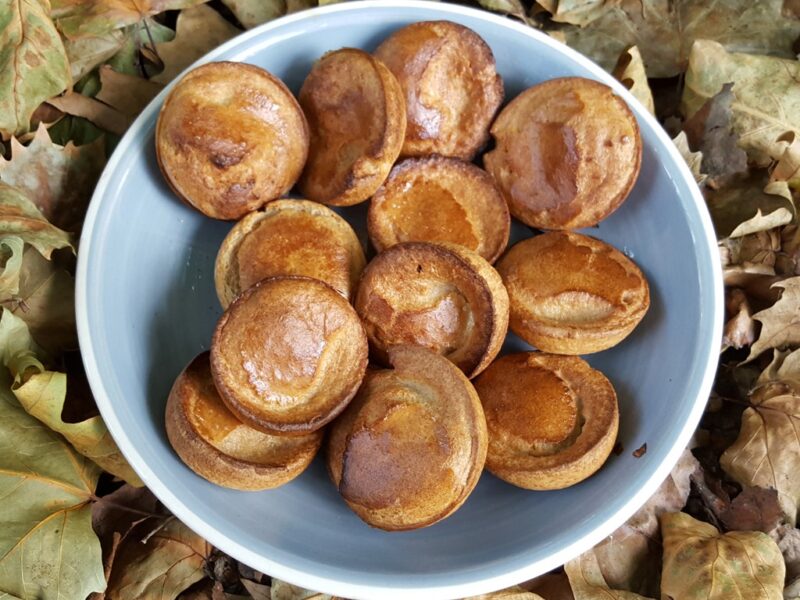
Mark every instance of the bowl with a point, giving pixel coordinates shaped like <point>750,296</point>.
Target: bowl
<point>146,305</point>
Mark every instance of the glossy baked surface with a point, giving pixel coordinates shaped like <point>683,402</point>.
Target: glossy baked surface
<point>567,153</point>
<point>451,87</point>
<point>357,118</point>
<point>410,447</point>
<point>219,127</point>
<point>288,355</point>
<point>218,446</point>
<point>437,199</point>
<point>289,237</point>
<point>146,305</point>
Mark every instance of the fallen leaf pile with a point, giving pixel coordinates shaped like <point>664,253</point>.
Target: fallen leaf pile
<point>723,78</point>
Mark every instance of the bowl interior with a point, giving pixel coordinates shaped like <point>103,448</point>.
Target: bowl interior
<point>147,305</point>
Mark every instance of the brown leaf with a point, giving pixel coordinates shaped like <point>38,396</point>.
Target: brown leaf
<point>788,166</point>
<point>102,115</point>
<point>699,563</point>
<point>588,583</point>
<point>551,586</point>
<point>258,591</point>
<point>755,509</point>
<point>126,93</point>
<point>199,30</point>
<point>694,160</point>
<point>252,13</point>
<point>33,63</point>
<point>512,593</point>
<point>631,72</point>
<point>709,130</point>
<point>19,217</point>
<point>159,565</point>
<point>784,367</point>
<point>788,540</point>
<point>59,179</point>
<point>740,329</point>
<point>780,323</point>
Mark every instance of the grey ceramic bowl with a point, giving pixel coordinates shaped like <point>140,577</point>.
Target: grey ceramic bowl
<point>146,305</point>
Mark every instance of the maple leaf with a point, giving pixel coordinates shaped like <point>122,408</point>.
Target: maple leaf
<point>699,563</point>
<point>59,179</point>
<point>780,323</point>
<point>766,102</point>
<point>631,73</point>
<point>82,18</point>
<point>20,217</point>
<point>740,329</point>
<point>33,63</point>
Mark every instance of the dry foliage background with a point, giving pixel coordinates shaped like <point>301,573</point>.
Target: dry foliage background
<point>723,78</point>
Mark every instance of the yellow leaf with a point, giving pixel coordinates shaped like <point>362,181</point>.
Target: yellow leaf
<point>20,217</point>
<point>631,72</point>
<point>588,583</point>
<point>699,563</point>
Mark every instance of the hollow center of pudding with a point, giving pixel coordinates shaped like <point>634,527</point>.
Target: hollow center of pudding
<point>574,308</point>
<point>423,210</point>
<point>539,408</point>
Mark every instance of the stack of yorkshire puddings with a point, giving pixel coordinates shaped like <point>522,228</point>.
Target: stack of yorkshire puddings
<point>397,358</point>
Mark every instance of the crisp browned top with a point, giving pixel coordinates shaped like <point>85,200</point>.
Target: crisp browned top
<point>289,237</point>
<point>546,411</point>
<point>230,137</point>
<point>437,199</point>
<point>355,111</point>
<point>288,355</point>
<point>411,446</point>
<point>568,153</point>
<point>572,281</point>
<point>211,420</point>
<point>445,298</point>
<point>452,89</point>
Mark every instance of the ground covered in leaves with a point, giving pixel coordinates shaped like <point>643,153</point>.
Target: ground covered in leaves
<point>723,78</point>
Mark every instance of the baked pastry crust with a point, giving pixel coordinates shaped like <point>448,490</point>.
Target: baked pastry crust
<point>571,293</point>
<point>440,296</point>
<point>411,446</point>
<point>289,237</point>
<point>438,199</point>
<point>567,153</point>
<point>288,355</point>
<point>230,137</point>
<point>451,87</point>
<point>552,419</point>
<point>357,118</point>
<point>217,446</point>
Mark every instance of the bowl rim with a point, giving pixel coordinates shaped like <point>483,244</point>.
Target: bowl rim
<point>477,581</point>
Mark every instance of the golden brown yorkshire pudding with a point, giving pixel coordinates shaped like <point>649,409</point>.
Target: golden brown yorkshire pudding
<point>451,87</point>
<point>440,296</point>
<point>411,446</point>
<point>230,137</point>
<point>438,199</point>
<point>567,153</point>
<point>552,419</point>
<point>355,110</point>
<point>289,237</point>
<point>219,447</point>
<point>572,294</point>
<point>288,355</point>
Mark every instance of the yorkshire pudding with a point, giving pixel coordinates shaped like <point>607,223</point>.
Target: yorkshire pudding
<point>438,199</point>
<point>572,294</point>
<point>451,87</point>
<point>288,355</point>
<point>552,419</point>
<point>230,137</point>
<point>411,446</point>
<point>289,237</point>
<point>440,296</point>
<point>567,153</point>
<point>219,447</point>
<point>357,118</point>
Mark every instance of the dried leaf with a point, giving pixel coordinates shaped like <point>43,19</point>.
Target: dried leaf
<point>157,564</point>
<point>252,13</point>
<point>709,130</point>
<point>788,167</point>
<point>43,396</point>
<point>780,323</point>
<point>86,53</point>
<point>46,489</point>
<point>788,540</point>
<point>199,30</point>
<point>701,563</point>
<point>258,591</point>
<point>127,94</point>
<point>286,591</point>
<point>11,250</point>
<point>551,586</point>
<point>102,115</point>
<point>33,63</point>
<point>740,329</point>
<point>20,217</point>
<point>766,93</point>
<point>512,593</point>
<point>588,583</point>
<point>665,29</point>
<point>138,51</point>
<point>79,18</point>
<point>631,72</point>
<point>785,367</point>
<point>694,160</point>
<point>755,509</point>
<point>509,7</point>
<point>59,179</point>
